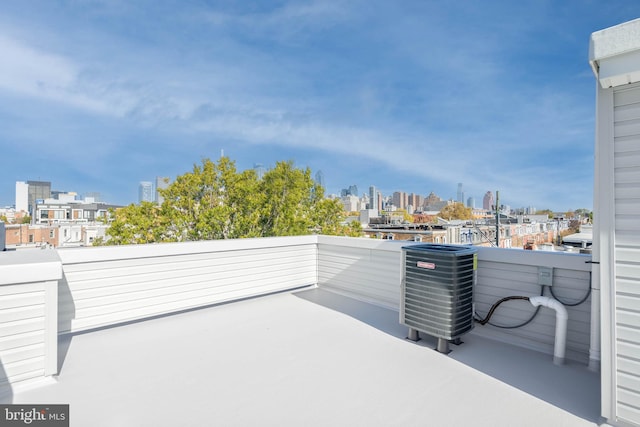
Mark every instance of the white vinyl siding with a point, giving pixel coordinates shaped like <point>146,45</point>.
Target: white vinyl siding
<point>626,157</point>
<point>28,316</point>
<point>22,337</point>
<point>370,270</point>
<point>102,288</point>
<point>508,272</point>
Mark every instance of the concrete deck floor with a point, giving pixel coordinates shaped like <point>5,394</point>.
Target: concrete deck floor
<point>306,358</point>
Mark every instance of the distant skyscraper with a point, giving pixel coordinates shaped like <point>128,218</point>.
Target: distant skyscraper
<point>487,201</point>
<point>259,168</point>
<point>460,197</point>
<point>415,200</point>
<point>351,191</point>
<point>471,203</point>
<point>145,192</point>
<point>320,179</point>
<point>161,184</point>
<point>22,196</point>
<point>400,200</point>
<point>373,198</point>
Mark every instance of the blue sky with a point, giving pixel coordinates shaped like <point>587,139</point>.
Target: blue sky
<point>416,96</point>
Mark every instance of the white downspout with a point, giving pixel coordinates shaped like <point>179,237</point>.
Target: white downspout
<point>561,325</point>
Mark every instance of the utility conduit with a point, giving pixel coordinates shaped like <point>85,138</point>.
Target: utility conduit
<point>561,325</point>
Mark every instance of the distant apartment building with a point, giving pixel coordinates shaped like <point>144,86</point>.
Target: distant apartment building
<point>22,196</point>
<point>431,199</point>
<point>53,211</point>
<point>27,235</point>
<point>29,193</point>
<point>415,200</point>
<point>400,199</point>
<point>433,203</point>
<point>350,203</point>
<point>18,236</point>
<point>364,201</point>
<point>145,192</point>
<point>38,190</point>
<point>487,201</point>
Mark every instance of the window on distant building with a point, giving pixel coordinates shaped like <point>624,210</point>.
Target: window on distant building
<point>52,234</point>
<point>30,238</point>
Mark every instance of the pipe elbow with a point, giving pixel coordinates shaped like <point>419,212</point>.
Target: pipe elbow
<point>552,303</point>
<point>561,325</point>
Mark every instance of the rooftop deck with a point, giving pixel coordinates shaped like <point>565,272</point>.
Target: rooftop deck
<point>285,331</point>
<point>308,357</point>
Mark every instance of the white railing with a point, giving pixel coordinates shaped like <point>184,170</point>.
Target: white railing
<point>104,286</point>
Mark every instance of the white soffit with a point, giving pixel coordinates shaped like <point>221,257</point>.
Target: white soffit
<point>614,54</point>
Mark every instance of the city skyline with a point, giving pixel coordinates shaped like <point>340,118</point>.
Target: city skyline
<point>98,96</point>
<point>148,192</point>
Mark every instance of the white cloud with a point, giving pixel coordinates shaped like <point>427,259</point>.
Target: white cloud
<point>31,72</point>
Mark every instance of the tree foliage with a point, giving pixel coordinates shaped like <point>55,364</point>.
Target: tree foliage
<point>132,224</point>
<point>585,213</point>
<point>456,211</point>
<point>547,212</point>
<point>215,201</point>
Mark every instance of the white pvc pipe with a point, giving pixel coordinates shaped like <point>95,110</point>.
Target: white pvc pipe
<point>561,325</point>
<point>594,341</point>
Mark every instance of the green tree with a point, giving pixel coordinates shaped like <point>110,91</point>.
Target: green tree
<point>133,224</point>
<point>289,198</point>
<point>547,212</point>
<point>456,211</point>
<point>405,215</point>
<point>215,201</point>
<point>26,220</point>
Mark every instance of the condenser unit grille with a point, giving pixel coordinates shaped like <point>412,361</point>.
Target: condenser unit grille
<point>437,289</point>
